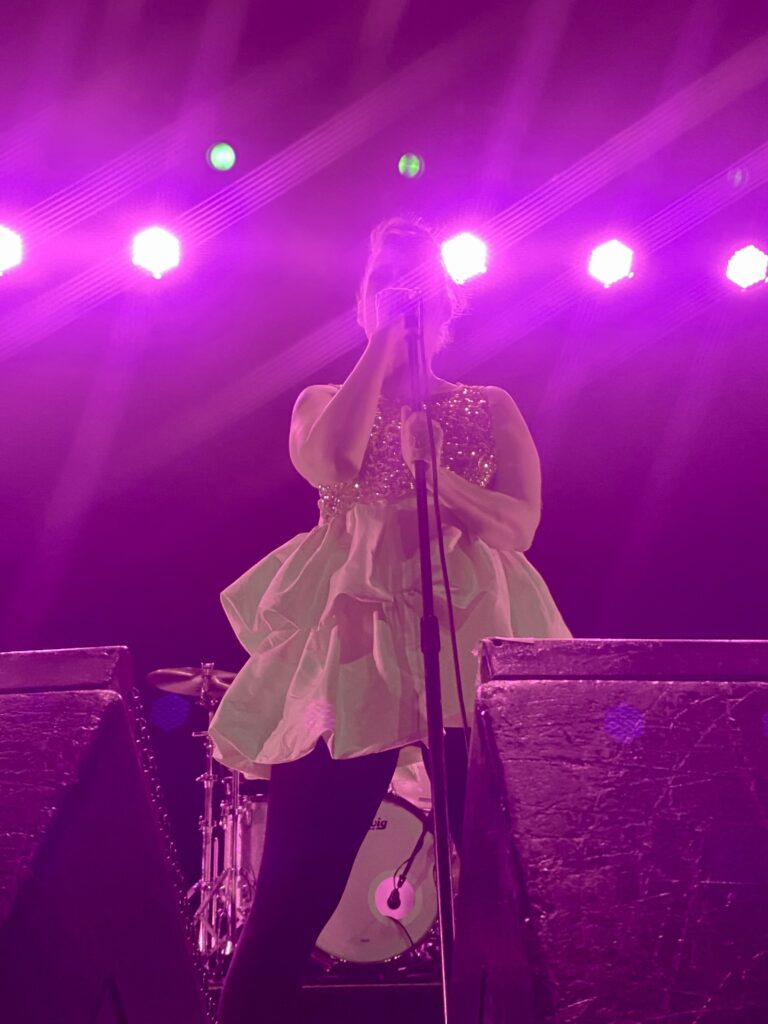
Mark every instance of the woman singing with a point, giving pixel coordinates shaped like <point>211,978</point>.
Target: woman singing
<point>332,697</point>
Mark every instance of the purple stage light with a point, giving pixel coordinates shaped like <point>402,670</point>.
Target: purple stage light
<point>464,256</point>
<point>156,250</point>
<point>169,711</point>
<point>611,262</point>
<point>624,723</point>
<point>11,249</point>
<point>747,266</point>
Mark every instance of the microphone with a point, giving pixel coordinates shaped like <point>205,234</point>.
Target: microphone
<point>393,900</point>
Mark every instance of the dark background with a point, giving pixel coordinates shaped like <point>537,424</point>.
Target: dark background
<point>143,424</point>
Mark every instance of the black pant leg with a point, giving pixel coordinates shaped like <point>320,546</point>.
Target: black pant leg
<point>318,814</point>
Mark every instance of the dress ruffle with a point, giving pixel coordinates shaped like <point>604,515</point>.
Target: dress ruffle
<point>330,621</point>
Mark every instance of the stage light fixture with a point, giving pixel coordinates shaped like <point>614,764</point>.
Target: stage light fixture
<point>464,256</point>
<point>747,267</point>
<point>611,262</point>
<point>11,249</point>
<point>156,251</point>
<point>221,156</point>
<point>410,165</point>
<point>169,711</point>
<point>624,723</point>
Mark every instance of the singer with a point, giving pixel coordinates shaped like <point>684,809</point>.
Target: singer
<point>331,699</point>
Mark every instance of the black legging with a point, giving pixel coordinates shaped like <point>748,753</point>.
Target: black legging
<point>319,813</point>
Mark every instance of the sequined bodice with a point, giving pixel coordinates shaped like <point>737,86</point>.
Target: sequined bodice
<point>468,449</point>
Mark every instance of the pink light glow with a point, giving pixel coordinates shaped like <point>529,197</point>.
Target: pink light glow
<point>464,256</point>
<point>747,266</point>
<point>156,250</point>
<point>611,262</point>
<point>11,249</point>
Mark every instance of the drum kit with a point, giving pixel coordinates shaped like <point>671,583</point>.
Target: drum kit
<point>386,918</point>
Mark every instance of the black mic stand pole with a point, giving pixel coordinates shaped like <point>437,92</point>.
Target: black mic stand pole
<point>430,648</point>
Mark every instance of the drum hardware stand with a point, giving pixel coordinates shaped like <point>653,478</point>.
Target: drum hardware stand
<point>216,917</point>
<point>430,647</point>
<point>224,893</point>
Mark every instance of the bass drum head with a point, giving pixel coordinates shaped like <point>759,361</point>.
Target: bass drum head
<point>364,929</point>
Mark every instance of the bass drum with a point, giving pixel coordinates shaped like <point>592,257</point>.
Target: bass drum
<point>378,919</point>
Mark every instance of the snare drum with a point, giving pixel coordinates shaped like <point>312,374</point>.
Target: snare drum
<point>364,928</point>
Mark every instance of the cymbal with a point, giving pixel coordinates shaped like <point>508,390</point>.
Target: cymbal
<point>189,681</point>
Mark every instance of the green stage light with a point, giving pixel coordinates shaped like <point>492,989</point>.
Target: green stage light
<point>221,156</point>
<point>410,165</point>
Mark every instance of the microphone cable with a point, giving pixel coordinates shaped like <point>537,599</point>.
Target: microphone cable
<point>446,578</point>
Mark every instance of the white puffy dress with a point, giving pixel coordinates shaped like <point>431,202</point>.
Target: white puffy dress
<point>330,619</point>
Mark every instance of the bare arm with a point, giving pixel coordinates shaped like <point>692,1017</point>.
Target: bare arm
<point>507,514</point>
<point>330,428</point>
<point>501,520</point>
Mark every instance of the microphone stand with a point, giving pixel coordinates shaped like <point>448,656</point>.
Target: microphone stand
<point>430,648</point>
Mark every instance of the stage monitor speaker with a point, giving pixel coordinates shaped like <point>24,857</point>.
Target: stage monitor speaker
<point>615,860</point>
<point>91,927</point>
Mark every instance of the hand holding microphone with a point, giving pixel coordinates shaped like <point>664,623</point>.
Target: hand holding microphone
<point>414,439</point>
<point>394,304</point>
<point>397,311</point>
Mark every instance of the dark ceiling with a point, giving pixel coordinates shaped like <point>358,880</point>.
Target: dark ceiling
<point>144,457</point>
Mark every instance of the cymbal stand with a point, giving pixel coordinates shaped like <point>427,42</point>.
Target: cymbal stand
<point>206,916</point>
<point>232,882</point>
<point>226,884</point>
